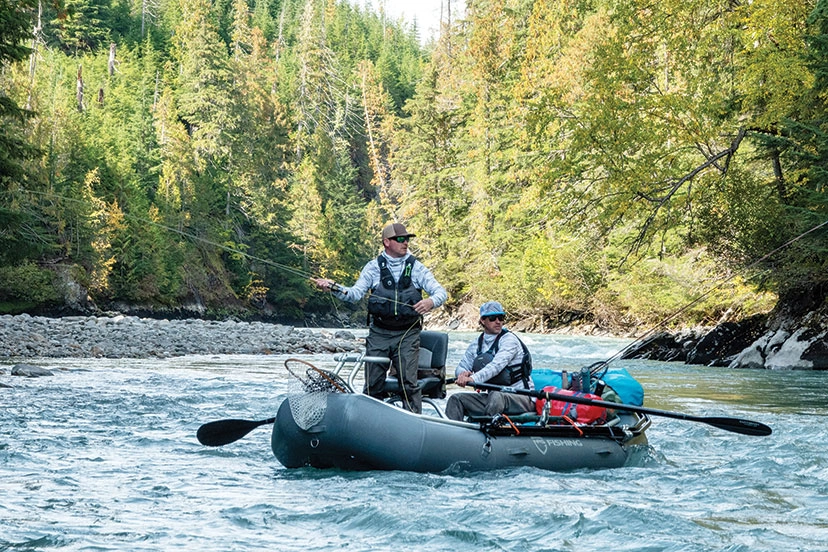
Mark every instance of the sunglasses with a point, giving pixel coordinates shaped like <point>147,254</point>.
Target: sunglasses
<point>400,239</point>
<point>494,317</point>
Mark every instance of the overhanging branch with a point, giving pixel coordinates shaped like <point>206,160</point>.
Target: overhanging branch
<point>726,154</point>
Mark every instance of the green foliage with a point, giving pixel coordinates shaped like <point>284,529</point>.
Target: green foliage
<point>14,148</point>
<point>681,291</point>
<point>17,21</point>
<point>796,141</point>
<point>79,25</point>
<point>572,158</point>
<point>547,273</point>
<point>21,237</point>
<point>740,219</point>
<point>27,283</point>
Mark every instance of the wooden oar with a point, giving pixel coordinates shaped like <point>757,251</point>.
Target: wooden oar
<point>222,432</point>
<point>736,425</point>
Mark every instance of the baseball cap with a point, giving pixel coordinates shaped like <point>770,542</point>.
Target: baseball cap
<point>395,229</point>
<point>491,307</point>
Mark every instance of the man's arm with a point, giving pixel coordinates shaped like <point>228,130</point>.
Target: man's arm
<point>367,280</point>
<point>425,280</point>
<point>463,372</point>
<point>467,361</point>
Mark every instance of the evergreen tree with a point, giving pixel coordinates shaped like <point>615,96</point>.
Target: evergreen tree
<point>18,22</point>
<point>263,18</point>
<point>206,105</point>
<point>15,149</point>
<point>426,158</point>
<point>261,169</point>
<point>329,219</point>
<point>83,26</point>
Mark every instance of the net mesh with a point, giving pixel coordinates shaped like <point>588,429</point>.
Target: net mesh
<point>308,391</point>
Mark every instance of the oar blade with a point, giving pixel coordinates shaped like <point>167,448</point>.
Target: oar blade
<point>737,425</point>
<point>223,432</point>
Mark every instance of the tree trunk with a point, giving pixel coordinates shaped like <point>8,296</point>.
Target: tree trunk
<point>111,59</point>
<point>447,27</point>
<point>780,180</point>
<point>155,94</point>
<point>79,88</point>
<point>33,58</point>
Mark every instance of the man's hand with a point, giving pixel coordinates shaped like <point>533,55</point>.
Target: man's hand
<point>424,306</point>
<point>464,378</point>
<point>323,283</point>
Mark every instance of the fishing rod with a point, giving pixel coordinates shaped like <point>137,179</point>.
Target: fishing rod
<point>604,364</point>
<point>286,268</point>
<point>227,248</point>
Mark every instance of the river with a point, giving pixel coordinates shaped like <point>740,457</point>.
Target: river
<point>103,456</point>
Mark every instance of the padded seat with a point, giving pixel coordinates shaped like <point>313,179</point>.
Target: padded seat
<point>431,372</point>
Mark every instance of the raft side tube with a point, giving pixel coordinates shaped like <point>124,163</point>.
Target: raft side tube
<point>359,432</point>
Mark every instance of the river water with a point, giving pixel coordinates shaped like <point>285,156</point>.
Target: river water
<point>103,456</point>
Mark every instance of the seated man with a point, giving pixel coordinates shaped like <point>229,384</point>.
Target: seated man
<point>497,357</point>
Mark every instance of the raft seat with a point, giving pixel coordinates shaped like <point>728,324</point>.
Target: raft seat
<point>431,373</point>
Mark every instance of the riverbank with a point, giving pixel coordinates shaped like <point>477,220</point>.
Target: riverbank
<point>786,340</point>
<point>120,336</point>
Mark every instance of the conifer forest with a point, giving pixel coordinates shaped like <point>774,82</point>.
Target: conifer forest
<point>610,161</point>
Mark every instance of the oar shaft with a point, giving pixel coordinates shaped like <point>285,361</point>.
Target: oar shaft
<point>548,395</point>
<point>736,425</point>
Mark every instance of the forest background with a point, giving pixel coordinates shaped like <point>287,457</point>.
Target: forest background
<point>610,162</point>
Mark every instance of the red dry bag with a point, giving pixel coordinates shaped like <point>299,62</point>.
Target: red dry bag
<point>580,413</point>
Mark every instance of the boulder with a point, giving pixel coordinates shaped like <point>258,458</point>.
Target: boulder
<point>724,342</point>
<point>664,346</point>
<point>30,371</point>
<point>803,349</point>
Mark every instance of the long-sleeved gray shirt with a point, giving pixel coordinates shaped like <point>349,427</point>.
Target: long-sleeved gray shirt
<point>369,279</point>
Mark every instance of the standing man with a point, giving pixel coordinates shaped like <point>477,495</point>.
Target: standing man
<point>497,357</point>
<point>396,306</point>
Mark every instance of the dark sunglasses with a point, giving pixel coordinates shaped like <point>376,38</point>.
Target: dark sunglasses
<point>400,239</point>
<point>494,317</point>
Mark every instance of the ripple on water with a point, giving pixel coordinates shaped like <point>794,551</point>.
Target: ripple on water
<point>106,459</point>
<point>46,542</point>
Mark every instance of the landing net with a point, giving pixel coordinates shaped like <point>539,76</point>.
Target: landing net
<point>308,391</point>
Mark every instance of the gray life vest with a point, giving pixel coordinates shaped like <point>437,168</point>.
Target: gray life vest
<point>510,374</point>
<point>390,304</point>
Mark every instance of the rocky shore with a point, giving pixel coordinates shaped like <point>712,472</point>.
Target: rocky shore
<point>782,341</point>
<point>24,336</point>
<point>777,341</point>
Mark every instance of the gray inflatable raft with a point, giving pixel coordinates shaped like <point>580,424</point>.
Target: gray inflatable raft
<point>357,432</point>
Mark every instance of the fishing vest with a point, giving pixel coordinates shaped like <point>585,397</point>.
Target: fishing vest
<point>510,374</point>
<point>390,304</point>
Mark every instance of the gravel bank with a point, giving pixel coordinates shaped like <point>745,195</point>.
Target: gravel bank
<point>24,336</point>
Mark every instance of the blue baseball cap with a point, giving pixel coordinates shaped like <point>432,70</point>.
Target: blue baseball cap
<point>490,308</point>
